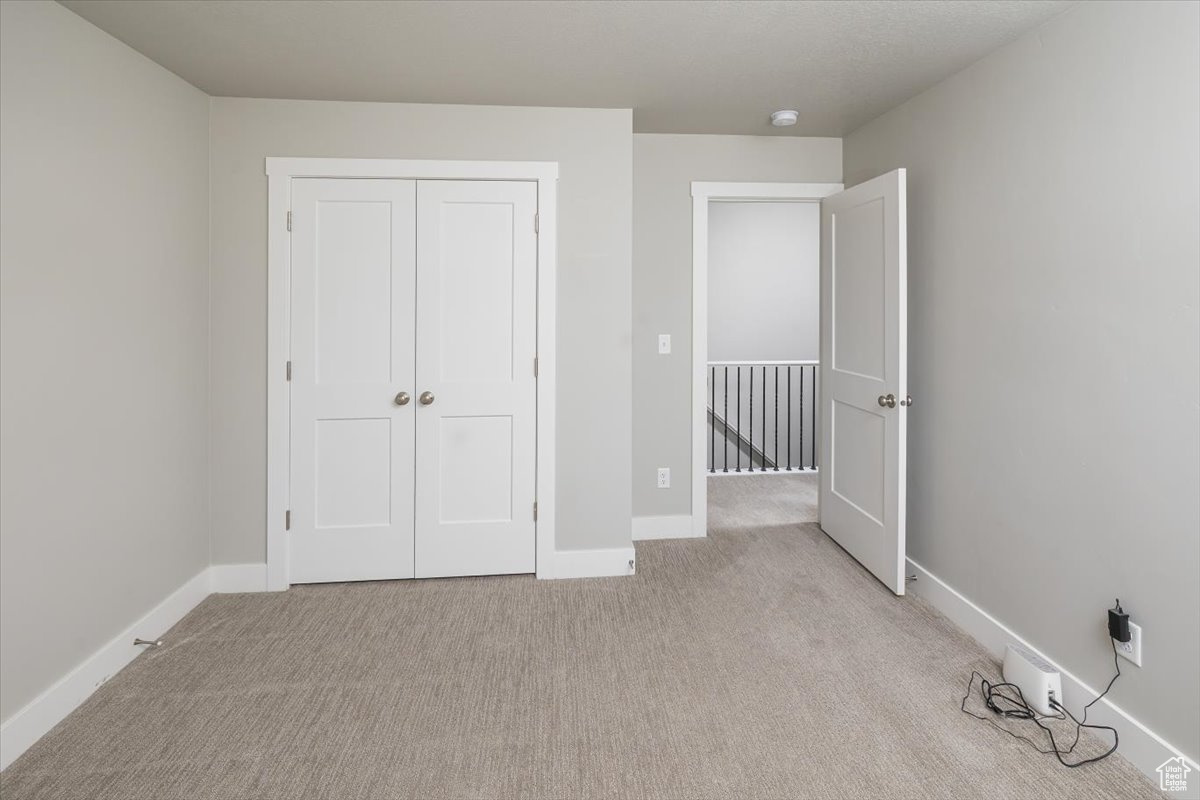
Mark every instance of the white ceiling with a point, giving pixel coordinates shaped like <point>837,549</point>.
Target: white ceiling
<point>684,67</point>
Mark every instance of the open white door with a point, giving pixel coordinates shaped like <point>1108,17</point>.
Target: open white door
<point>864,373</point>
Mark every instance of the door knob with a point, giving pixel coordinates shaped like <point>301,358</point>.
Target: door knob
<point>887,400</point>
<point>426,398</point>
<point>907,401</point>
<point>402,399</point>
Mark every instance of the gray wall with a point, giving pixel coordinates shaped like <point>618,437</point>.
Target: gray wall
<point>763,273</point>
<point>103,341</point>
<point>1053,351</point>
<point>593,148</point>
<point>664,165</point>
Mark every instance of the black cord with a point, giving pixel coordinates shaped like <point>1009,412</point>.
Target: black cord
<point>1016,707</point>
<point>1081,725</point>
<point>991,693</point>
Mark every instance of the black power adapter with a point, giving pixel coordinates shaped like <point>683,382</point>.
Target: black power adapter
<point>1118,623</point>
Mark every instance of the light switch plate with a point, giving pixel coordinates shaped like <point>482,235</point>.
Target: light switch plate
<point>664,344</point>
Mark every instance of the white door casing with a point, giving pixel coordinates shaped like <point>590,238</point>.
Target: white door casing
<point>353,294</point>
<point>476,346</point>
<point>864,353</point>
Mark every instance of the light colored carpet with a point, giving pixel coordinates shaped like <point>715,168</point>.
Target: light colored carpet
<point>760,662</point>
<point>761,500</point>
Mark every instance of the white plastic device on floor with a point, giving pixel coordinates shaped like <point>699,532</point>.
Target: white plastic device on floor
<point>1038,681</point>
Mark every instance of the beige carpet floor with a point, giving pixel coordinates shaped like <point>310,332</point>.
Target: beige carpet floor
<point>739,502</point>
<point>760,662</point>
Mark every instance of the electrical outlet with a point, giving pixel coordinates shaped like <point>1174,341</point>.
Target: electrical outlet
<point>664,477</point>
<point>1132,649</point>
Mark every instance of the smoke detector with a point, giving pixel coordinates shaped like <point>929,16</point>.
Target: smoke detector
<point>784,119</point>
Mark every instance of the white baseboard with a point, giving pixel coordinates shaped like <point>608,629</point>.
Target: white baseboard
<point>234,578</point>
<point>594,563</point>
<point>1139,745</point>
<point>32,722</point>
<point>678,526</point>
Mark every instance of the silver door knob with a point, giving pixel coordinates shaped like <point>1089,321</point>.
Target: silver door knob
<point>426,398</point>
<point>887,400</point>
<point>402,399</point>
<point>907,401</point>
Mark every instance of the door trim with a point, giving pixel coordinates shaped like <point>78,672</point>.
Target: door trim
<point>280,172</point>
<point>704,193</point>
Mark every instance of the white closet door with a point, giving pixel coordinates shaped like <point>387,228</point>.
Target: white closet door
<point>353,282</point>
<point>476,390</point>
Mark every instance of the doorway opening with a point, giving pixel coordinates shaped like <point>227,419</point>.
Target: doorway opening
<point>861,393</point>
<point>756,359</point>
<point>763,358</point>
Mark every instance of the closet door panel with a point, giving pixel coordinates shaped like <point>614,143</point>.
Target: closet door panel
<point>476,343</point>
<point>353,352</point>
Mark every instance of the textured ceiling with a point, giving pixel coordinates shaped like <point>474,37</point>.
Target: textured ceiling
<point>684,67</point>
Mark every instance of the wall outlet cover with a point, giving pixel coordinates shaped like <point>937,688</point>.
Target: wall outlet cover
<point>1131,650</point>
<point>664,477</point>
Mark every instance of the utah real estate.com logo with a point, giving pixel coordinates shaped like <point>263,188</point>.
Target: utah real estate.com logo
<point>1173,775</point>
